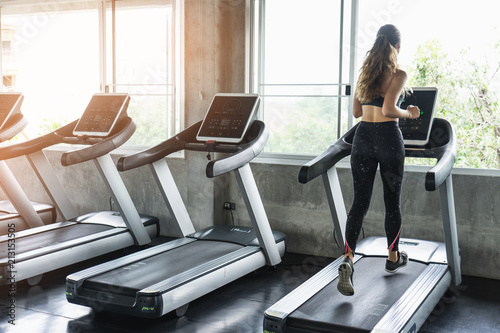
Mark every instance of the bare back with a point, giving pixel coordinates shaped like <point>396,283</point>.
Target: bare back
<point>391,88</point>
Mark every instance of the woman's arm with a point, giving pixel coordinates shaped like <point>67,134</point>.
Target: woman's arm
<point>357,111</point>
<point>390,109</point>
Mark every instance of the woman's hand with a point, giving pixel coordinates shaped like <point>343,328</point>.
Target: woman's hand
<point>413,112</point>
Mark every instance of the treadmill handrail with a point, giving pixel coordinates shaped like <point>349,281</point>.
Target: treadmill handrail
<point>36,144</point>
<point>333,154</point>
<point>157,152</point>
<point>442,146</point>
<point>252,144</point>
<point>15,125</point>
<point>97,146</point>
<point>100,146</point>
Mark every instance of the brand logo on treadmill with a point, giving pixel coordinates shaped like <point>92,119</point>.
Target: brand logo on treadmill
<point>246,231</point>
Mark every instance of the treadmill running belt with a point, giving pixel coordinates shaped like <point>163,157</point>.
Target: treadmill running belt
<point>129,279</point>
<point>54,236</point>
<point>375,291</point>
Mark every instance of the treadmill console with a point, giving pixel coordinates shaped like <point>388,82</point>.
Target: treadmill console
<point>10,103</point>
<point>228,117</point>
<point>101,114</point>
<point>417,131</point>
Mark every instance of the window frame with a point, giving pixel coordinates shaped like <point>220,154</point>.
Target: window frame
<point>107,83</point>
<point>255,55</point>
<point>176,117</point>
<point>254,30</point>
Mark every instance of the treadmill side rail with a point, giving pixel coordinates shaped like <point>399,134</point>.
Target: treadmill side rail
<point>170,294</point>
<point>197,271</point>
<point>78,277</point>
<point>215,279</point>
<point>416,304</point>
<point>33,266</point>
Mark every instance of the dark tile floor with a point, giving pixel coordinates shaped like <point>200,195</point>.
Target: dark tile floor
<point>239,307</point>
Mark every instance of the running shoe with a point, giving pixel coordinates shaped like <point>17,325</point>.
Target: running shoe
<point>392,267</point>
<point>346,270</point>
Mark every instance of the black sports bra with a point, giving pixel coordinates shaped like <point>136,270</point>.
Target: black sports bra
<point>379,101</point>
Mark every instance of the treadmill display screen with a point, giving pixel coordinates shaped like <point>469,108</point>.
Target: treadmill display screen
<point>417,131</point>
<point>228,117</point>
<point>101,114</point>
<point>9,103</point>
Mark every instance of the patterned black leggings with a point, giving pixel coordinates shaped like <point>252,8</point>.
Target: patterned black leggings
<point>374,144</point>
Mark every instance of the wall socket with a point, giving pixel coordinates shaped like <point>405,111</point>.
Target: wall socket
<point>229,205</point>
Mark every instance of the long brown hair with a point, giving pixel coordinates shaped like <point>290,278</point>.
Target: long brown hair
<point>383,56</point>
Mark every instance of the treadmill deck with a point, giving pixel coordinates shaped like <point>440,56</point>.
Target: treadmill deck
<point>146,272</point>
<point>329,310</point>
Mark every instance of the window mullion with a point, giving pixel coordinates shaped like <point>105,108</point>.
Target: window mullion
<point>102,44</point>
<point>341,43</point>
<point>352,52</point>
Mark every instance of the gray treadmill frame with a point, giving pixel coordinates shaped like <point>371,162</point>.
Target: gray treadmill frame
<point>251,197</point>
<point>34,263</point>
<point>423,295</point>
<point>18,198</point>
<point>180,290</point>
<point>51,184</point>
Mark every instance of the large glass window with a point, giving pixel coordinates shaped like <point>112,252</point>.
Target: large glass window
<point>142,61</point>
<point>52,57</point>
<point>454,46</point>
<point>58,54</point>
<point>304,52</point>
<point>302,75</point>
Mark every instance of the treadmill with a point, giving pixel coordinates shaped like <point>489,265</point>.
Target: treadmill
<point>165,278</point>
<point>17,213</point>
<point>42,249</point>
<point>383,302</point>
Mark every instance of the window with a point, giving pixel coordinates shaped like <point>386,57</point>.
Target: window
<point>305,57</point>
<point>54,60</point>
<point>459,54</point>
<point>145,64</point>
<point>58,54</point>
<point>302,52</point>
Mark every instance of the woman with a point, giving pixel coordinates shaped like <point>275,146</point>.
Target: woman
<point>378,141</point>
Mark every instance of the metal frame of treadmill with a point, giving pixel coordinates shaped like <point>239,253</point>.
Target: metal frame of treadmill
<point>12,126</point>
<point>416,304</point>
<point>59,255</point>
<point>181,289</point>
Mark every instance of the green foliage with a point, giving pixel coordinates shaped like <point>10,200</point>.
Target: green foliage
<point>308,126</point>
<point>149,114</point>
<point>51,124</point>
<point>466,99</point>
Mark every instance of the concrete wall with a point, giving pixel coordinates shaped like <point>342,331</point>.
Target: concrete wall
<point>215,63</point>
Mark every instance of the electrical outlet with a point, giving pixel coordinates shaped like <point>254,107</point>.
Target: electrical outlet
<point>229,205</point>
